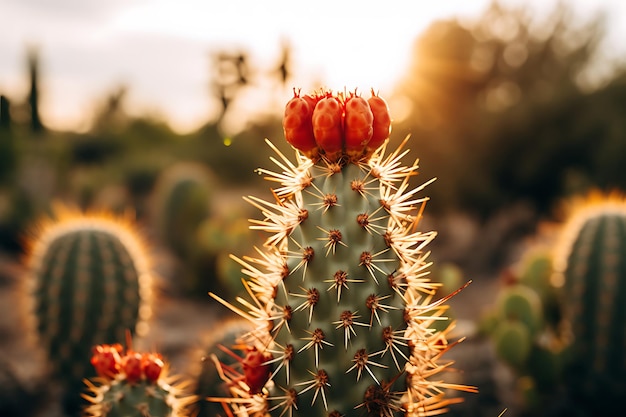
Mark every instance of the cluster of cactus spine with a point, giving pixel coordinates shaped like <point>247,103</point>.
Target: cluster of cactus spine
<point>340,294</point>
<point>89,282</point>
<point>133,384</point>
<point>591,267</point>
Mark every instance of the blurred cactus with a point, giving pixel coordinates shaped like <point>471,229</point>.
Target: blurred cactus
<point>342,306</point>
<point>524,328</point>
<point>560,322</point>
<point>133,384</point>
<point>90,279</point>
<point>591,264</point>
<point>181,201</point>
<point>218,236</point>
<point>224,339</point>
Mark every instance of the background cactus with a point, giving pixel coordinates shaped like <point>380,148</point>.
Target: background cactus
<point>591,263</point>
<point>559,319</point>
<point>133,384</point>
<point>524,326</point>
<point>91,282</point>
<point>340,293</point>
<point>225,338</point>
<point>181,202</point>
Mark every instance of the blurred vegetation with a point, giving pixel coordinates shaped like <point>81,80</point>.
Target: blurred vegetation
<point>505,109</point>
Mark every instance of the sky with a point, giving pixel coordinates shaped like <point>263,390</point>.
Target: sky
<point>161,49</point>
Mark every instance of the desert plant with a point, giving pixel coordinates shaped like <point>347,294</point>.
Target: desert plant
<point>89,279</point>
<point>340,294</point>
<point>181,201</point>
<point>591,265</point>
<point>133,384</point>
<point>225,337</point>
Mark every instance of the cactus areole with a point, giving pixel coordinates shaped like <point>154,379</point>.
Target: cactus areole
<point>340,294</point>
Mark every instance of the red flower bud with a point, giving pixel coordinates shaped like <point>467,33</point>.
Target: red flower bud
<point>256,370</point>
<point>106,360</point>
<point>152,366</point>
<point>328,126</point>
<point>132,366</point>
<point>381,125</point>
<point>298,124</point>
<point>358,126</point>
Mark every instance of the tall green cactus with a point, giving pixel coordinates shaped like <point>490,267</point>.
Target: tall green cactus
<point>592,266</point>
<point>90,282</point>
<point>340,292</point>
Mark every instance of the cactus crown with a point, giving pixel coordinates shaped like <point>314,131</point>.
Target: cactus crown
<point>340,292</point>
<point>133,384</point>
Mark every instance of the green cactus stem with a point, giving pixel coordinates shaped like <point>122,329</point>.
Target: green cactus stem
<point>90,281</point>
<point>340,295</point>
<point>592,266</point>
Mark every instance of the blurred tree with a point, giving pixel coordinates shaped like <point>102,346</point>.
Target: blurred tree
<point>33,96</point>
<point>231,74</point>
<point>283,72</point>
<point>502,110</point>
<point>5,112</point>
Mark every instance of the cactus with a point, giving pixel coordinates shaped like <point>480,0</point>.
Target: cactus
<point>224,339</point>
<point>90,278</point>
<point>181,201</point>
<point>591,263</point>
<point>133,384</point>
<point>340,294</point>
<point>524,329</point>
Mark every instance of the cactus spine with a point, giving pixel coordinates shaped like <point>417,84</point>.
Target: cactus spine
<point>592,266</point>
<point>340,293</point>
<point>90,278</point>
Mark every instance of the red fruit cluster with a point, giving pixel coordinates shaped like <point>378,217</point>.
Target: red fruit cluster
<point>334,125</point>
<point>109,361</point>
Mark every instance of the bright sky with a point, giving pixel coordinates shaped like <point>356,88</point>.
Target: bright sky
<point>161,49</point>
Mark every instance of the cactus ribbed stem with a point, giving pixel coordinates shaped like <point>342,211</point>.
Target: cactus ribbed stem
<point>592,266</point>
<point>91,282</point>
<point>340,293</point>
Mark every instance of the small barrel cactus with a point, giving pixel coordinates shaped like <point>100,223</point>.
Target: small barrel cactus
<point>591,265</point>
<point>133,384</point>
<point>340,294</point>
<point>90,282</point>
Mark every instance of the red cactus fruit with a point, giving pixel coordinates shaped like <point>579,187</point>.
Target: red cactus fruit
<point>152,366</point>
<point>358,125</point>
<point>298,124</point>
<point>328,126</point>
<point>132,366</point>
<point>106,360</point>
<point>382,122</point>
<point>256,370</point>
